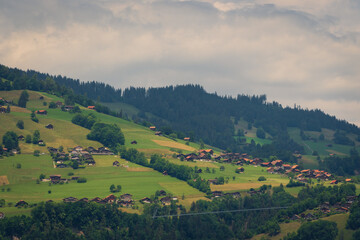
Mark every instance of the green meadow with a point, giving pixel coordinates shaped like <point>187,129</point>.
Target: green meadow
<point>134,179</point>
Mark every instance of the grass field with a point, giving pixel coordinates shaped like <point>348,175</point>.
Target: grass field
<point>134,179</point>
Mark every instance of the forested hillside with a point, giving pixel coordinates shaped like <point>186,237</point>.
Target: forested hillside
<point>189,111</point>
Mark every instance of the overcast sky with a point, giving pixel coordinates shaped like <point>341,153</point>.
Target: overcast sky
<point>299,51</point>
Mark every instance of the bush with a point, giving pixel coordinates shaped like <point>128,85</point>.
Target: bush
<point>294,184</point>
<point>36,153</point>
<point>28,138</point>
<point>81,180</point>
<point>18,165</point>
<point>52,105</point>
<point>262,178</point>
<point>20,124</point>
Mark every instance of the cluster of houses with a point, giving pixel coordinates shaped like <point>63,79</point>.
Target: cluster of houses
<point>203,155</point>
<point>81,155</point>
<point>217,194</point>
<point>124,200</point>
<point>326,208</point>
<point>55,179</point>
<point>157,133</point>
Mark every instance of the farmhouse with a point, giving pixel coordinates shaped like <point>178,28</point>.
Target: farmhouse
<point>70,199</point>
<point>68,108</point>
<point>84,200</point>
<point>153,128</point>
<point>186,139</point>
<point>55,178</point>
<point>91,107</point>
<point>217,194</point>
<point>41,112</point>
<point>146,200</point>
<point>2,109</point>
<point>59,104</point>
<point>96,199</point>
<point>166,201</point>
<point>109,199</point>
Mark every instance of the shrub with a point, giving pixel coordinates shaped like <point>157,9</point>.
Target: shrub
<point>36,153</point>
<point>262,178</point>
<point>81,180</point>
<point>20,124</point>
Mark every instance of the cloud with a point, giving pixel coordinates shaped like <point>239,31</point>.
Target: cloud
<point>300,52</point>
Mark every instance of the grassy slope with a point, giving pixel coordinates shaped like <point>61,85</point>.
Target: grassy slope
<point>135,179</point>
<point>293,226</point>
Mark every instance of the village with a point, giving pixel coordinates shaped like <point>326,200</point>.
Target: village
<point>77,156</point>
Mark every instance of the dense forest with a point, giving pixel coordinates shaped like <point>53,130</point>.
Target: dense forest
<point>83,220</point>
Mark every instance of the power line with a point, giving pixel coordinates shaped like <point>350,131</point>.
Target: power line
<point>217,212</point>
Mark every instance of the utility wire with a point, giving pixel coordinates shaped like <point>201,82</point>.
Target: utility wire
<point>217,212</point>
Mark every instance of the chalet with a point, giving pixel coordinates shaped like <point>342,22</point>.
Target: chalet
<point>186,139</point>
<point>146,200</point>
<point>55,178</point>
<point>3,109</point>
<point>158,133</point>
<point>212,181</point>
<point>240,169</point>
<point>78,148</point>
<point>41,142</point>
<point>277,163</point>
<point>287,166</point>
<point>110,199</point>
<point>84,200</point>
<point>134,142</point>
<point>295,217</point>
<point>90,149</point>
<point>165,201</point>
<point>91,107</point>
<point>70,200</point>
<point>342,209</point>
<point>116,164</point>
<point>265,164</point>
<point>165,173</point>
<point>325,208</point>
<point>59,104</point>
<point>96,199</point>
<point>52,150</point>
<point>61,165</point>
<point>49,126</point>
<point>21,138</point>
<point>257,161</point>
<point>334,182</point>
<point>234,194</point>
<point>348,180</point>
<point>208,151</point>
<point>270,170</point>
<point>68,108</point>
<point>21,203</point>
<point>162,193</point>
<point>217,194</point>
<point>41,112</point>
<point>126,200</point>
<point>308,216</point>
<point>2,215</point>
<point>126,197</point>
<point>153,128</point>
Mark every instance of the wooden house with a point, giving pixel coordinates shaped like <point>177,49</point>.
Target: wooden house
<point>55,178</point>
<point>145,200</point>
<point>153,128</point>
<point>41,112</point>
<point>91,107</point>
<point>70,200</point>
<point>165,201</point>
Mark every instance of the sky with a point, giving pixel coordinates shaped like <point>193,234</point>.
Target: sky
<point>296,52</point>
